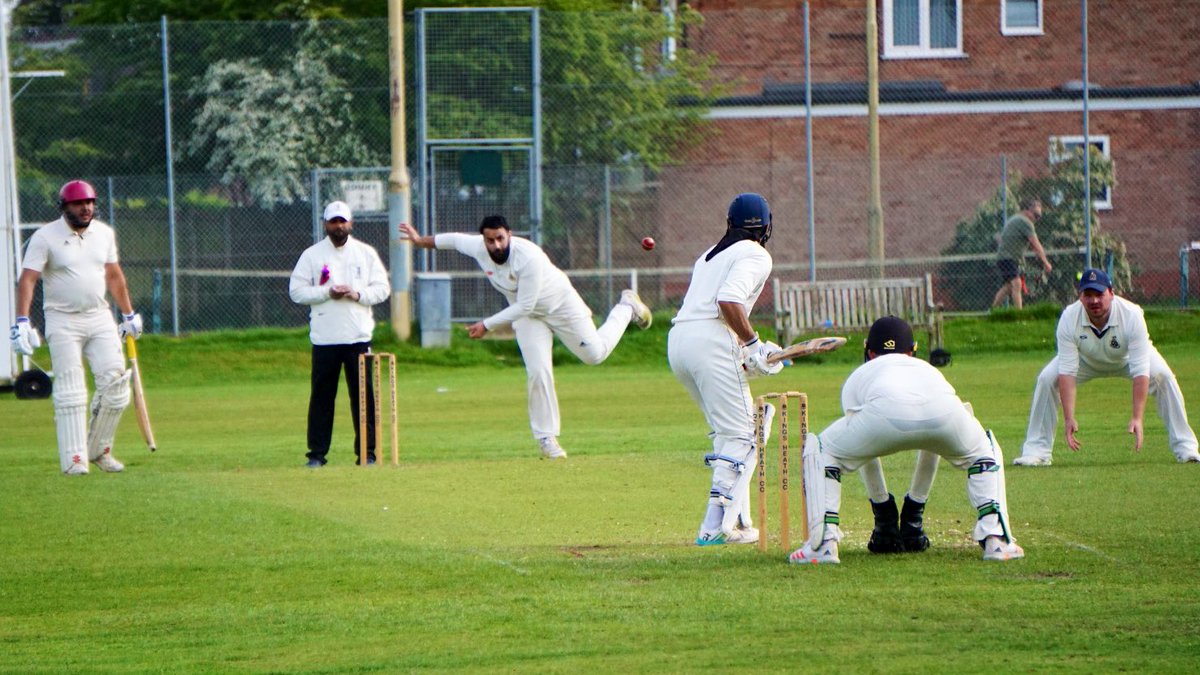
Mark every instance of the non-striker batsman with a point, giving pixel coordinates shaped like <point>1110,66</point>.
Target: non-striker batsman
<point>76,259</point>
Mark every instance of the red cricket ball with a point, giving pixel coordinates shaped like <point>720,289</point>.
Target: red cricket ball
<point>648,243</point>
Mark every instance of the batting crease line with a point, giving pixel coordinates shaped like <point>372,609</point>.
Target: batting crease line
<point>505,563</point>
<point>1082,547</point>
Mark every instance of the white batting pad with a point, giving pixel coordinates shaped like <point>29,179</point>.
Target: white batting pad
<point>822,495</point>
<point>986,490</point>
<point>71,426</point>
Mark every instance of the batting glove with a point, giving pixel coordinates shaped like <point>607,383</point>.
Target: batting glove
<point>131,326</point>
<point>24,337</point>
<point>755,362</point>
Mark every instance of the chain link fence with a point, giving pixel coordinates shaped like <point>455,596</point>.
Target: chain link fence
<point>272,120</point>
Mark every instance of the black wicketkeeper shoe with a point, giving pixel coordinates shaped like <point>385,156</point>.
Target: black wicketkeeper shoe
<point>912,531</point>
<point>886,537</point>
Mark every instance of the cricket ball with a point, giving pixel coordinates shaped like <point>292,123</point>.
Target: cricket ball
<point>648,243</point>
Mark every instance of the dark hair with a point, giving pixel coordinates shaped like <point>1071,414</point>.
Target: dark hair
<point>1028,202</point>
<point>493,223</point>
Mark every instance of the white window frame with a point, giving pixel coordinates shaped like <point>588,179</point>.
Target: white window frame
<point>921,50</point>
<point>1070,144</point>
<point>1006,29</point>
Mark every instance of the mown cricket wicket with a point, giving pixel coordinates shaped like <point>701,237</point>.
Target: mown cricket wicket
<point>760,435</point>
<point>376,366</point>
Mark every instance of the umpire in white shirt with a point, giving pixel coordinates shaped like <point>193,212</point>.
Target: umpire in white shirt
<point>340,278</point>
<point>1102,335</point>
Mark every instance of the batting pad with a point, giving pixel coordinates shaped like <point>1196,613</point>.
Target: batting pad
<point>822,494</point>
<point>986,489</point>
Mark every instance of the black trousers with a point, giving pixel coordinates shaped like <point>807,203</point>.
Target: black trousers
<point>328,363</point>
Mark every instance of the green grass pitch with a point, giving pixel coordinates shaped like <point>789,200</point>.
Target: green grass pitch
<point>221,553</point>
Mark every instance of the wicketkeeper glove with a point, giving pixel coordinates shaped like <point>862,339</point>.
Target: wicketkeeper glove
<point>755,359</point>
<point>132,325</point>
<point>24,337</point>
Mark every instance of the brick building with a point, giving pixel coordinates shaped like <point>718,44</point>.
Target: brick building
<point>980,83</point>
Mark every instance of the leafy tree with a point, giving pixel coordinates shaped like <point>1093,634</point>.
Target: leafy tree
<point>262,128</point>
<point>970,284</point>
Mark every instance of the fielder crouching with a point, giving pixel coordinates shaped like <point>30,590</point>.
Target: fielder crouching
<point>895,402</point>
<point>76,259</point>
<point>713,351</point>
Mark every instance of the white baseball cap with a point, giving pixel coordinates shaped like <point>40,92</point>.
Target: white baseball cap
<point>338,210</point>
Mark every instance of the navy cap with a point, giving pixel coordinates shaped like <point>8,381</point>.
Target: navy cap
<point>890,335</point>
<point>1094,280</point>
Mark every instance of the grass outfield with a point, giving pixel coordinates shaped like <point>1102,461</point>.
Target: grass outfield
<point>221,553</point>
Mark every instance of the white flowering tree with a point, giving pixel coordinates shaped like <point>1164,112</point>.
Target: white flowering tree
<point>262,129</point>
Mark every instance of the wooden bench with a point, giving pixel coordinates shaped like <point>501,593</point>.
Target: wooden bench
<point>804,307</point>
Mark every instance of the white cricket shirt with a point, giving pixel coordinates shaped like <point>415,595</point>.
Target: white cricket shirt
<point>72,264</point>
<point>1122,346</point>
<point>532,284</point>
<point>737,274</point>
<point>900,387</point>
<point>322,266</point>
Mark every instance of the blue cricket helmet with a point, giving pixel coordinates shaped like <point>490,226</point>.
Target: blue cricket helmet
<point>750,211</point>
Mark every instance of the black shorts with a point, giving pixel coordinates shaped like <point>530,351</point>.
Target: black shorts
<point>1008,269</point>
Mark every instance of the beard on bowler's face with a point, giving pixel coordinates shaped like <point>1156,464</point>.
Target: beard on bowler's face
<point>499,256</point>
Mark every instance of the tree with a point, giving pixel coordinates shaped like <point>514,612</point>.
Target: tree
<point>1061,227</point>
<point>263,129</point>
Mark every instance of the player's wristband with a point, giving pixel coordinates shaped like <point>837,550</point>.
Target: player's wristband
<point>22,319</point>
<point>752,342</point>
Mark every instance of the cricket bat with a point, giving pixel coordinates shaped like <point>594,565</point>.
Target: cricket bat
<point>139,394</point>
<point>813,346</point>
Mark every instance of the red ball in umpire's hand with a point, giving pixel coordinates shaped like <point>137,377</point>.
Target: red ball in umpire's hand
<point>648,243</point>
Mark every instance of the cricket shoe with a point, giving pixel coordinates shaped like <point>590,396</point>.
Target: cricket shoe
<point>78,467</point>
<point>551,449</point>
<point>108,463</point>
<point>1190,458</point>
<point>742,535</point>
<point>1030,460</point>
<point>711,538</point>
<point>641,312</point>
<point>826,555</point>
<point>995,548</point>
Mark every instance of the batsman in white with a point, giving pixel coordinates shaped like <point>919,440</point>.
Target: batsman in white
<point>714,351</point>
<point>895,402</point>
<point>76,259</point>
<point>1103,335</point>
<point>542,303</point>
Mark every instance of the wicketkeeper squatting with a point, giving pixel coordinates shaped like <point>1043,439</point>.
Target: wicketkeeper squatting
<point>896,402</point>
<point>76,259</point>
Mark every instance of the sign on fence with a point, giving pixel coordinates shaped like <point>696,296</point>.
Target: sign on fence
<point>363,195</point>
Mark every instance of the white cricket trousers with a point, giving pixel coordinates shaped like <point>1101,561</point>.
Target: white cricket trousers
<point>73,336</point>
<point>941,425</point>
<point>1047,400</point>
<point>572,323</point>
<point>706,358</point>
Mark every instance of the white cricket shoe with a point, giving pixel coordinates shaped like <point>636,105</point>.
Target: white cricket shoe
<point>641,312</point>
<point>1190,458</point>
<point>109,463</point>
<point>1030,460</point>
<point>551,449</point>
<point>78,467</point>
<point>710,538</point>
<point>742,535</point>
<point>826,555</point>
<point>995,548</point>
